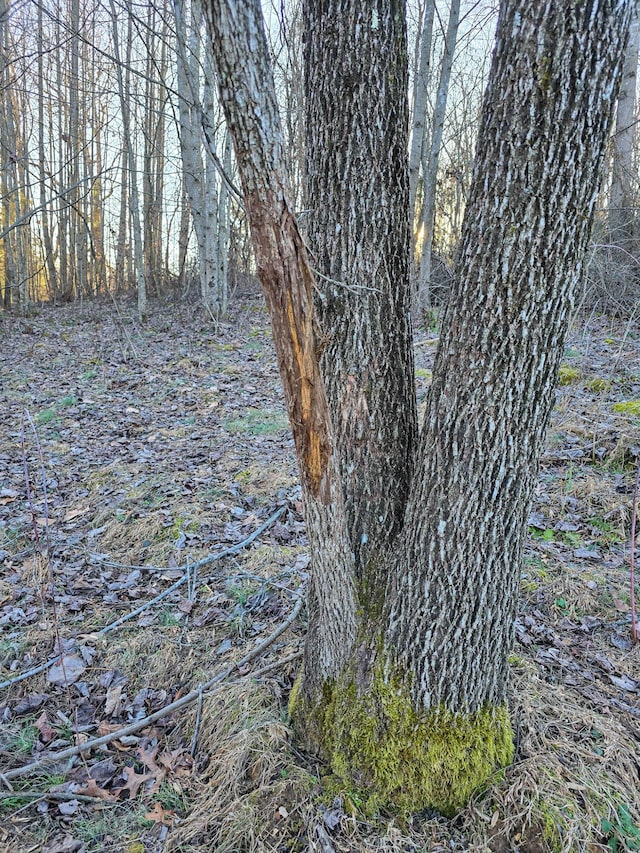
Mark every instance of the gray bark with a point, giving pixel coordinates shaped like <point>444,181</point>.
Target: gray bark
<point>546,120</point>
<point>357,195</point>
<point>207,193</point>
<point>445,626</point>
<point>247,94</point>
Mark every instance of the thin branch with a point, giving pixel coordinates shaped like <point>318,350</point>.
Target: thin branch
<point>632,574</point>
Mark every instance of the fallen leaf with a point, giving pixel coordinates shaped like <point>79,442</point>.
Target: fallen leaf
<point>47,734</point>
<point>67,671</point>
<point>158,814</point>
<point>112,702</point>
<point>133,782</point>
<point>30,703</point>
<point>624,682</point>
<point>92,789</point>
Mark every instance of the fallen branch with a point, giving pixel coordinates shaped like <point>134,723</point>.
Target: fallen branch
<point>211,558</point>
<point>187,699</point>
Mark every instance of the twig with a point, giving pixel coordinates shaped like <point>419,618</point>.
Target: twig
<point>211,558</point>
<point>196,728</point>
<point>52,795</point>
<point>632,575</point>
<point>187,699</point>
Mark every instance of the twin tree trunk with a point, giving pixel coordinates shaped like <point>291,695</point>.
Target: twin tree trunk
<point>416,542</point>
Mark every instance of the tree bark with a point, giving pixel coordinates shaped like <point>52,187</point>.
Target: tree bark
<point>358,198</point>
<point>405,697</point>
<point>248,97</point>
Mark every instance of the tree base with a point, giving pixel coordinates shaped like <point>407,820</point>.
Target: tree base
<point>396,759</point>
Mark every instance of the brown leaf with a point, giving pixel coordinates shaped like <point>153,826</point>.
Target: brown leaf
<point>47,734</point>
<point>112,702</point>
<point>158,814</point>
<point>133,783</point>
<point>30,703</point>
<point>92,789</point>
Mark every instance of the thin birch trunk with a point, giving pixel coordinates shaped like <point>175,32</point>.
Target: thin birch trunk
<point>624,180</point>
<point>419,122</point>
<point>431,171</point>
<point>138,259</point>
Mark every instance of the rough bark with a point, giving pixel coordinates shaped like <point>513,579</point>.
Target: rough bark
<point>408,704</point>
<point>357,194</point>
<point>248,97</point>
<point>546,120</point>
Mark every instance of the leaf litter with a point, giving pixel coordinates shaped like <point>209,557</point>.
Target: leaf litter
<point>167,443</point>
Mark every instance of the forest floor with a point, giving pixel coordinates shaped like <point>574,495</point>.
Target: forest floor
<point>163,444</point>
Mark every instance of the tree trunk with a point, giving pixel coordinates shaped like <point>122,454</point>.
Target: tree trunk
<point>624,181</point>
<point>356,91</point>
<point>405,696</point>
<point>47,242</point>
<point>247,93</point>
<point>430,175</point>
<point>419,121</point>
<point>138,258</point>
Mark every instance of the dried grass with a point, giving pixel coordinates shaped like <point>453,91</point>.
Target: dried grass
<point>255,795</point>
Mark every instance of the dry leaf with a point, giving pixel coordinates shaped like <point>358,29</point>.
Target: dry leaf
<point>133,783</point>
<point>112,702</point>
<point>67,671</point>
<point>160,815</point>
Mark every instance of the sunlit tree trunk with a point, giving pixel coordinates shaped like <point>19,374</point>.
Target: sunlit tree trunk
<point>433,157</point>
<point>44,181</point>
<point>419,120</point>
<point>624,180</point>
<point>404,694</point>
<point>138,259</point>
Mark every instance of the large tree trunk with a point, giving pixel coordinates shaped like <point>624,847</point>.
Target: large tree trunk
<point>405,696</point>
<point>247,93</point>
<point>358,195</point>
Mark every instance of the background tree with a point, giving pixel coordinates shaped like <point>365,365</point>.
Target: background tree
<point>403,689</point>
<point>624,182</point>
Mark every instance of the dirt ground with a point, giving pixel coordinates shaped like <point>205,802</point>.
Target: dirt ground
<point>128,455</point>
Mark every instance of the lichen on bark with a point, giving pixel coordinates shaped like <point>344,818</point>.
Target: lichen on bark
<point>397,758</point>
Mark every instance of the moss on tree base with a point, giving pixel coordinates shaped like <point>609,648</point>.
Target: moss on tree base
<point>396,759</point>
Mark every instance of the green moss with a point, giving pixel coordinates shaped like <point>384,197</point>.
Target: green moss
<point>391,757</point>
<point>597,384</point>
<point>568,375</point>
<point>629,407</point>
